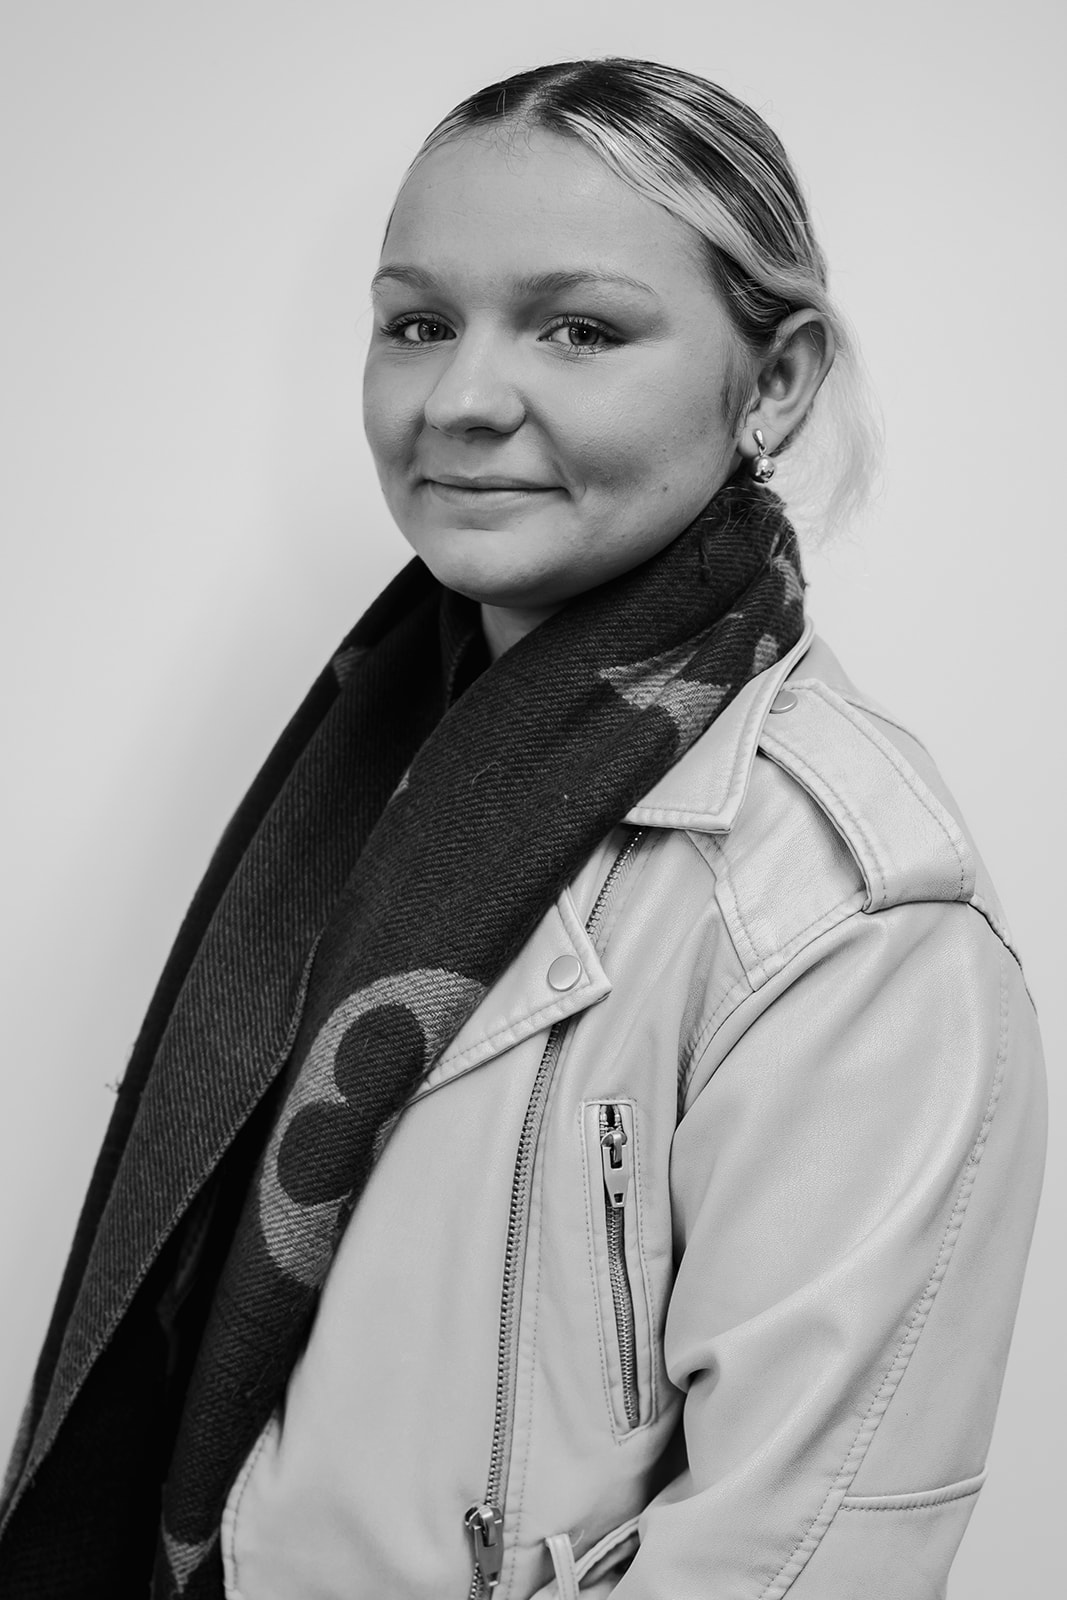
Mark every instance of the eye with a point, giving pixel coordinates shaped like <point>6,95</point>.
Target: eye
<point>418,328</point>
<point>581,337</point>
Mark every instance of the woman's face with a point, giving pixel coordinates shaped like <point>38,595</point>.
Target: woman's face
<point>544,391</point>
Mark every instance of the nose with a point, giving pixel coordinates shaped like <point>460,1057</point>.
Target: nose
<point>475,389</point>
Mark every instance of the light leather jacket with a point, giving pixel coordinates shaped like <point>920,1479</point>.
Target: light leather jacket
<point>690,1272</point>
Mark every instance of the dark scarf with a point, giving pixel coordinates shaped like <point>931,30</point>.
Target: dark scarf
<point>410,838</point>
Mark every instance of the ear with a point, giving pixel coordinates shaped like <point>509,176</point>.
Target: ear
<point>788,380</point>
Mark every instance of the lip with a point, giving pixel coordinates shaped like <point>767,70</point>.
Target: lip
<point>488,496</point>
<point>488,482</point>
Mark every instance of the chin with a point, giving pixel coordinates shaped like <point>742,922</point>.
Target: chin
<point>496,567</point>
<point>504,591</point>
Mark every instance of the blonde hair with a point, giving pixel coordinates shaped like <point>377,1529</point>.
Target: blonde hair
<point>712,162</point>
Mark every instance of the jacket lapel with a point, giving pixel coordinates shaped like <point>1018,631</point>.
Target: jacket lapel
<point>556,975</point>
<point>705,789</point>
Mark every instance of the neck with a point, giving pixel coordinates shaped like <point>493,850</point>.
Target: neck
<point>506,625</point>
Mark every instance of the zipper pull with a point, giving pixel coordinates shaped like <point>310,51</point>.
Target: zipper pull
<point>485,1524</point>
<point>615,1156</point>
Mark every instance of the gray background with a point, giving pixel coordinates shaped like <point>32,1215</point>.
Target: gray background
<point>193,198</point>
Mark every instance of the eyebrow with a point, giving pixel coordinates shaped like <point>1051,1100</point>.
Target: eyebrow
<point>530,286</point>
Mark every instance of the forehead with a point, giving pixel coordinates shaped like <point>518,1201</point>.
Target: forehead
<point>490,206</point>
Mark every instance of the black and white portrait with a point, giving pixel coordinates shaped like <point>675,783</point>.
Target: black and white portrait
<point>532,630</point>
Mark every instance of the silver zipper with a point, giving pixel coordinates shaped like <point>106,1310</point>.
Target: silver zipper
<point>617,1161</point>
<point>484,1522</point>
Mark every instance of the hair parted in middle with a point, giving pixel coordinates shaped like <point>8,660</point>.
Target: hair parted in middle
<point>712,162</point>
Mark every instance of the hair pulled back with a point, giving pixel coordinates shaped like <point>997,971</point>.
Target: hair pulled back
<point>712,162</point>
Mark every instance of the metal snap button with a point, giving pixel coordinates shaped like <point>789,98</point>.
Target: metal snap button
<point>564,972</point>
<point>784,700</point>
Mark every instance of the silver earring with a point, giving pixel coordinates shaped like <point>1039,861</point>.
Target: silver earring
<point>763,466</point>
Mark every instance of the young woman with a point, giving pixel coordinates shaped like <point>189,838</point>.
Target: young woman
<point>587,1135</point>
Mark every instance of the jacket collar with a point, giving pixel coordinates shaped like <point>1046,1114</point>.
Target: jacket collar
<point>704,790</point>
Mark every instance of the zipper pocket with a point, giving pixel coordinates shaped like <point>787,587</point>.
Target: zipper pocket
<point>609,1130</point>
<point>616,1159</point>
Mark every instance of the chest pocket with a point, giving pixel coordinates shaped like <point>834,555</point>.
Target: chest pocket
<point>612,1166</point>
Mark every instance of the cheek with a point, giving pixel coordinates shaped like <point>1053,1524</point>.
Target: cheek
<point>390,415</point>
<point>661,439</point>
<point>608,438</point>
<point>690,421</point>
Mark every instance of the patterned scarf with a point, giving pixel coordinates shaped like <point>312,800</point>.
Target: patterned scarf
<point>422,832</point>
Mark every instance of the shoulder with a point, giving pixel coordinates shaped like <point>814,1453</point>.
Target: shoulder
<point>844,812</point>
<point>852,897</point>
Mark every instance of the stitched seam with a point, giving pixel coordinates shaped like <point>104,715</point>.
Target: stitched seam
<point>921,1497</point>
<point>820,787</point>
<point>232,1518</point>
<point>768,969</point>
<point>811,1538</point>
<point>931,1500</point>
<point>514,1032</point>
<point>922,1505</point>
<point>646,1278</point>
<point>890,722</point>
<point>561,1551</point>
<point>896,761</point>
<point>745,988</point>
<point>610,1542</point>
<point>1000,928</point>
<point>713,913</point>
<point>867,707</point>
<point>675,817</point>
<point>751,959</point>
<point>689,1054</point>
<point>735,997</point>
<point>730,910</point>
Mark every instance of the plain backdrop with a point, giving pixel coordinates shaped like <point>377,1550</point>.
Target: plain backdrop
<point>193,197</point>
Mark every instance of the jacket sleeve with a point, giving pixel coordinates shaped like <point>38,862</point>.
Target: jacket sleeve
<point>854,1186</point>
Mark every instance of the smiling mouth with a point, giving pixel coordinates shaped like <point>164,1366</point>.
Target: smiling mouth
<point>486,492</point>
<point>447,481</point>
